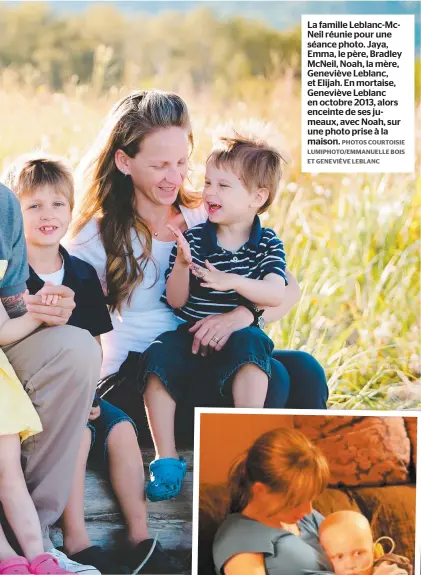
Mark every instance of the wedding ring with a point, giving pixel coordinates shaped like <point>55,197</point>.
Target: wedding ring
<point>215,339</point>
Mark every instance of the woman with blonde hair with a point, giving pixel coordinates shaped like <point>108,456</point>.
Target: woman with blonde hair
<point>272,526</point>
<point>132,193</point>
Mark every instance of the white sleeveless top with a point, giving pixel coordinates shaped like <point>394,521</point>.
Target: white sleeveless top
<point>136,327</point>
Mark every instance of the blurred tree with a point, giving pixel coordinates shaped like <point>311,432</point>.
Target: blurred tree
<point>173,49</point>
<point>105,48</point>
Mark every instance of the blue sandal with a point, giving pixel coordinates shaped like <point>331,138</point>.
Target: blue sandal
<point>166,478</point>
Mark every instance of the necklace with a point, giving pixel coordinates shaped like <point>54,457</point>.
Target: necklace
<point>154,232</point>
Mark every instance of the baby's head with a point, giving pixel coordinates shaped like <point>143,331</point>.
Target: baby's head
<point>242,178</point>
<point>44,187</point>
<point>347,539</point>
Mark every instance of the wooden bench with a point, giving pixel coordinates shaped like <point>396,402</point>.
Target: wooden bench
<point>172,519</point>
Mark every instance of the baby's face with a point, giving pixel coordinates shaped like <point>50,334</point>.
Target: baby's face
<point>349,550</point>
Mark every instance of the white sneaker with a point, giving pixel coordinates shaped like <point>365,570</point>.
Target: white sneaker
<point>72,566</point>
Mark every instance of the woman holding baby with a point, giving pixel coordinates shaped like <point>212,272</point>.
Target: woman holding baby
<point>134,198</point>
<point>272,526</point>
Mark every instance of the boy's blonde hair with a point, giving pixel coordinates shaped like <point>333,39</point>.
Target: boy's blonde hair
<point>257,164</point>
<point>28,173</point>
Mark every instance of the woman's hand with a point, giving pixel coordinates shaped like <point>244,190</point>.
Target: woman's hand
<point>51,315</point>
<point>389,569</point>
<point>184,257</point>
<point>213,331</point>
<point>213,278</point>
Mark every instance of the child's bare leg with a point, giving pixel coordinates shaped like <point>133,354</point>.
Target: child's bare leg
<point>18,506</point>
<point>5,550</point>
<point>75,536</point>
<point>160,409</point>
<point>127,479</point>
<point>249,386</point>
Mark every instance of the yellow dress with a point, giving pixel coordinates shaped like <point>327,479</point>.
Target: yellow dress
<point>17,414</point>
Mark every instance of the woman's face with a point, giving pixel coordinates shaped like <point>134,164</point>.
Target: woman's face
<point>288,516</point>
<point>275,511</point>
<point>159,168</point>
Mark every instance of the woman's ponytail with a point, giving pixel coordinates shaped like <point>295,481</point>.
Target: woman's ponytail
<point>286,462</point>
<point>239,484</point>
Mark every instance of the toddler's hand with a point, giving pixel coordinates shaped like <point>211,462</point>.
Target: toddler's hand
<point>214,278</point>
<point>389,569</point>
<point>184,256</point>
<point>94,413</point>
<point>48,299</point>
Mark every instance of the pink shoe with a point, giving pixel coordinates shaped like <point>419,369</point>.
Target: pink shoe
<point>45,564</point>
<point>14,565</point>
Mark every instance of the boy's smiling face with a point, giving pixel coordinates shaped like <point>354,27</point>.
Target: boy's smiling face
<point>46,216</point>
<point>227,200</point>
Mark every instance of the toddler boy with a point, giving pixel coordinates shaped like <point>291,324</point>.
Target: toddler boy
<point>229,261</point>
<point>348,541</point>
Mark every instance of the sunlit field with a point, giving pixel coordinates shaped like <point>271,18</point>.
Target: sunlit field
<point>353,240</point>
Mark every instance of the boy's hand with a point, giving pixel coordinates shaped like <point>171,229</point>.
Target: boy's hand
<point>94,413</point>
<point>214,278</point>
<point>184,257</point>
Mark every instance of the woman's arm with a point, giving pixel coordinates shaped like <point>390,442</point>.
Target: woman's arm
<point>245,564</point>
<point>291,296</point>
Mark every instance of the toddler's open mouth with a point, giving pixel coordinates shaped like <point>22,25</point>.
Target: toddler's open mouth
<point>212,207</point>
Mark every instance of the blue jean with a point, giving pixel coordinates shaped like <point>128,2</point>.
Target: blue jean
<point>170,357</point>
<point>102,426</point>
<point>298,381</point>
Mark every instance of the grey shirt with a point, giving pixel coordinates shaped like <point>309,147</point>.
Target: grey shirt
<point>12,245</point>
<point>284,552</point>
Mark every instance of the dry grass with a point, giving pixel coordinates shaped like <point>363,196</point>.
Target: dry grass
<point>352,239</point>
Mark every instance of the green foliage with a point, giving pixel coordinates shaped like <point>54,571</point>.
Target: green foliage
<point>417,80</point>
<point>352,240</point>
<point>103,47</point>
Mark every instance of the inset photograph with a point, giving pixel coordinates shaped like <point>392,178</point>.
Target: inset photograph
<point>294,493</point>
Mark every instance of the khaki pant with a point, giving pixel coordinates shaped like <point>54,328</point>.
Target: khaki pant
<point>59,369</point>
